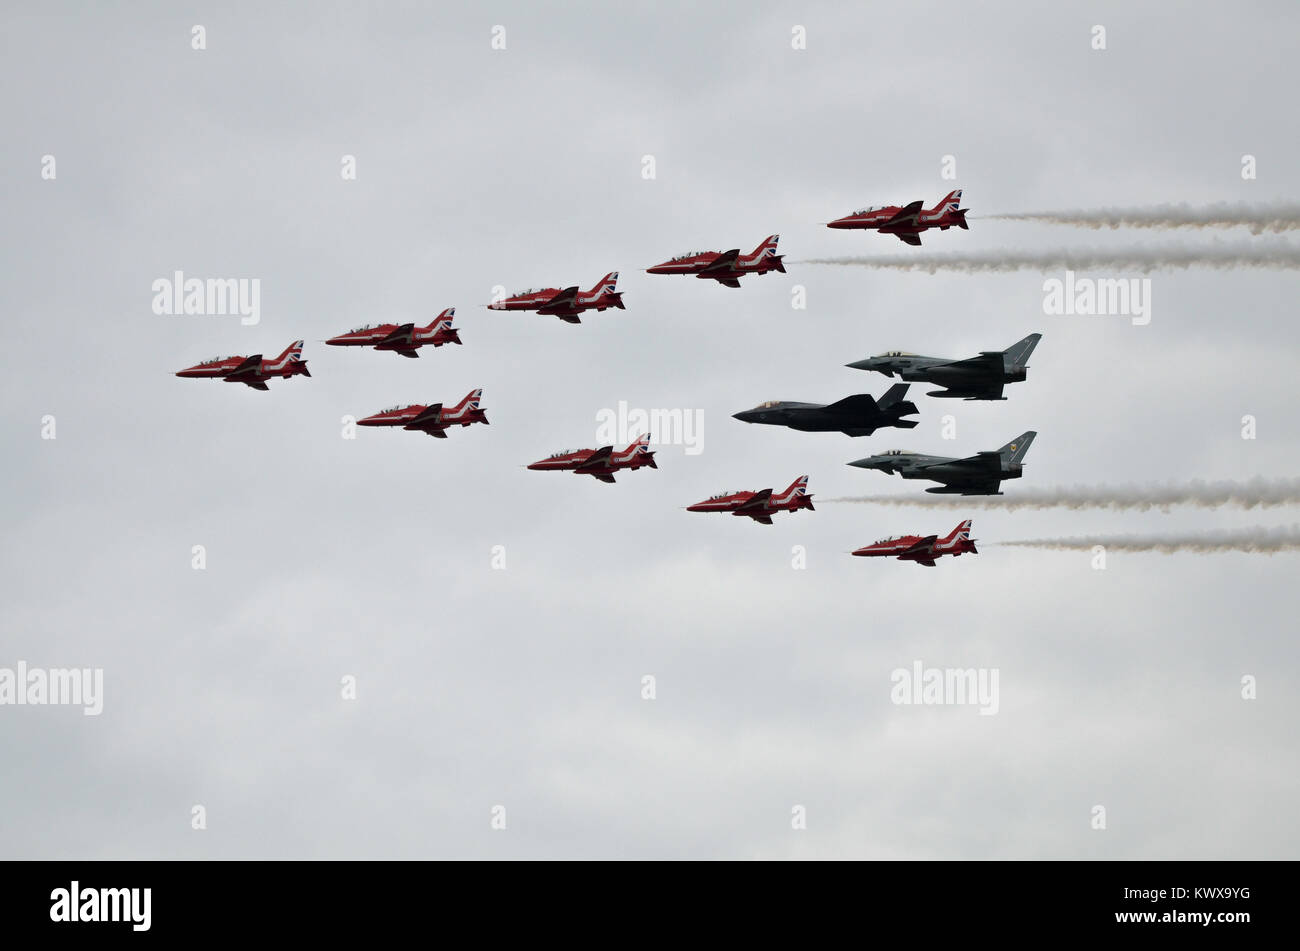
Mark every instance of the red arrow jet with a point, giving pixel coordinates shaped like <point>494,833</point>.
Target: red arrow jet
<point>433,418</point>
<point>601,463</point>
<point>923,549</point>
<point>252,371</point>
<point>908,222</point>
<point>566,304</point>
<point>405,339</point>
<point>725,267</point>
<point>761,504</point>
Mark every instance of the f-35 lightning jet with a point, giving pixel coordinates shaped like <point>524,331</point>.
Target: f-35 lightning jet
<point>858,415</point>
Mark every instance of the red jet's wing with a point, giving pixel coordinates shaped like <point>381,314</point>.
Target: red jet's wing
<point>722,264</point>
<point>922,550</point>
<point>904,215</point>
<point>249,367</point>
<point>597,459</point>
<point>755,503</point>
<point>562,301</point>
<point>400,334</point>
<point>908,237</point>
<point>428,420</point>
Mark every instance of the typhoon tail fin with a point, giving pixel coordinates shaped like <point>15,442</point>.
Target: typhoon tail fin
<point>1013,453</point>
<point>1019,352</point>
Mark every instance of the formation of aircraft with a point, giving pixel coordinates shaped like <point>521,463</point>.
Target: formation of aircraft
<point>980,474</point>
<point>859,415</point>
<point>758,505</point>
<point>567,304</point>
<point>601,463</point>
<point>252,371</point>
<point>977,378</point>
<point>431,418</point>
<point>908,221</point>
<point>725,267</point>
<point>982,377</point>
<point>405,339</point>
<point>922,549</point>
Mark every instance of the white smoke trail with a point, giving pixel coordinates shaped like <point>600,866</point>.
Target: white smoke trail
<point>1264,541</point>
<point>1254,493</point>
<point>1272,256</point>
<point>1258,218</point>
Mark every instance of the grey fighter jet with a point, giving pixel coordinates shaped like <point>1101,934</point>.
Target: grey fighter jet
<point>980,474</point>
<point>857,415</point>
<point>979,378</point>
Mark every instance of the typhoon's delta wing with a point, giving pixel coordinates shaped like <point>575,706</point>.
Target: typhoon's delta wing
<point>980,474</point>
<point>252,371</point>
<point>725,267</point>
<point>566,303</point>
<point>922,549</point>
<point>404,339</point>
<point>977,378</point>
<point>600,463</point>
<point>907,222</point>
<point>758,505</point>
<point>434,419</point>
<point>858,415</point>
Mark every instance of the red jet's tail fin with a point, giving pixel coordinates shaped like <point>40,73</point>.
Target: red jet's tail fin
<point>961,532</point>
<point>607,284</point>
<point>642,445</point>
<point>797,489</point>
<point>949,203</point>
<point>768,247</point>
<point>293,352</point>
<point>470,402</point>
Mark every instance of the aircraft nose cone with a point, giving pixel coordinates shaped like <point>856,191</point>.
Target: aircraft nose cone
<point>867,364</point>
<point>535,466</point>
<point>837,223</point>
<point>745,417</point>
<point>867,463</point>
<point>697,507</point>
<point>335,341</point>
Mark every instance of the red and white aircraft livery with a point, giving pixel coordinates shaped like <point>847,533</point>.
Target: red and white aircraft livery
<point>252,371</point>
<point>566,304</point>
<point>601,463</point>
<point>923,549</point>
<point>761,504</point>
<point>908,222</point>
<point>433,418</point>
<point>725,267</point>
<point>405,339</point>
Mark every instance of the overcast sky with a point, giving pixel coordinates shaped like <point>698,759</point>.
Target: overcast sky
<point>521,687</point>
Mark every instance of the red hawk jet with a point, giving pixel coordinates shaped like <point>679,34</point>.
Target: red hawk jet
<point>405,339</point>
<point>761,504</point>
<point>908,222</point>
<point>251,371</point>
<point>601,463</point>
<point>725,267</point>
<point>922,549</point>
<point>566,304</point>
<point>432,419</point>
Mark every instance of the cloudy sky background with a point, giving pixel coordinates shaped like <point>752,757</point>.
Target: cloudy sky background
<point>521,687</point>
